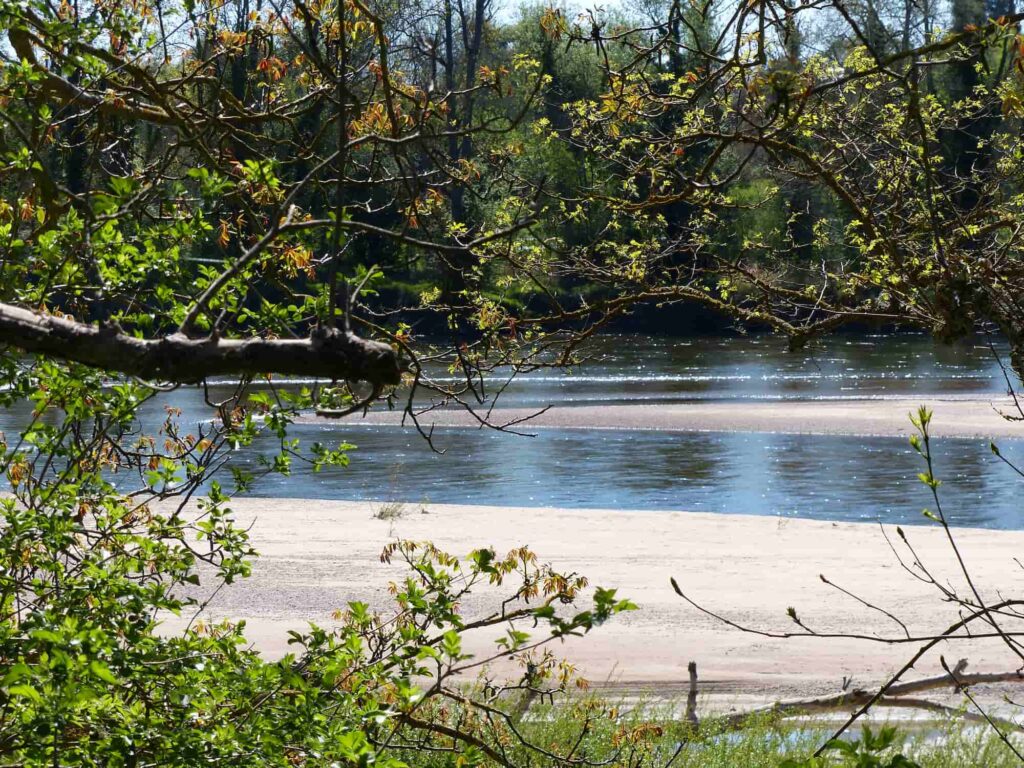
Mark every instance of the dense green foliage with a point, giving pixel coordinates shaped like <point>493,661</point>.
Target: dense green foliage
<point>299,173</point>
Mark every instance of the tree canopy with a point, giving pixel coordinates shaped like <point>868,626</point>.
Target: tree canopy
<point>315,176</point>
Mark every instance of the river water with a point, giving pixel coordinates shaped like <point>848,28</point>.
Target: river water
<point>630,368</point>
<point>832,478</point>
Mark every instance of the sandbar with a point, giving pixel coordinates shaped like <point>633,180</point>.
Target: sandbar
<point>318,555</point>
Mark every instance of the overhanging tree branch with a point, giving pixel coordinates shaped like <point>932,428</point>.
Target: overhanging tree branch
<point>328,353</point>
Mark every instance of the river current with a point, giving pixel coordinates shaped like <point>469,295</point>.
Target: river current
<point>823,477</point>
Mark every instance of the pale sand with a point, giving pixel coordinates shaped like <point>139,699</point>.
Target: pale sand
<point>953,417</point>
<point>317,555</point>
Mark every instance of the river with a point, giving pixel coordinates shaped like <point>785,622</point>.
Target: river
<point>823,477</point>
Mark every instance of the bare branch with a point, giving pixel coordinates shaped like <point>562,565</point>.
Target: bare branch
<point>328,353</point>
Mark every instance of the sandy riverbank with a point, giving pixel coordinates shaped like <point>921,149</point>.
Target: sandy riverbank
<point>317,555</point>
<point>954,417</point>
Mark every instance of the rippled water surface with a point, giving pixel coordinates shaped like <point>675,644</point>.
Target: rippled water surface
<point>822,477</point>
<point>838,478</point>
<point>632,368</point>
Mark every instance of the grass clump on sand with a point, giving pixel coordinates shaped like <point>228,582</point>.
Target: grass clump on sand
<point>589,731</point>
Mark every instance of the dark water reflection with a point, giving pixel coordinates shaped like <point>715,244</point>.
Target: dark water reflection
<point>834,478</point>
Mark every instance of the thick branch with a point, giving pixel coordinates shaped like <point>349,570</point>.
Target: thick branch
<point>328,353</point>
<point>64,91</point>
<point>849,701</point>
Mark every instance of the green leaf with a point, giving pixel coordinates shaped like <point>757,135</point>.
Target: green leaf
<point>101,671</point>
<point>25,691</point>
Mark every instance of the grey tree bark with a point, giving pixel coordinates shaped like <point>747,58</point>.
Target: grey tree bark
<point>328,353</point>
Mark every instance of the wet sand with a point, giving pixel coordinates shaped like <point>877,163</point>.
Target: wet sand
<point>953,417</point>
<point>318,555</point>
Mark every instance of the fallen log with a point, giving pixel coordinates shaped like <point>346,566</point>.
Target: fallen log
<point>897,696</point>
